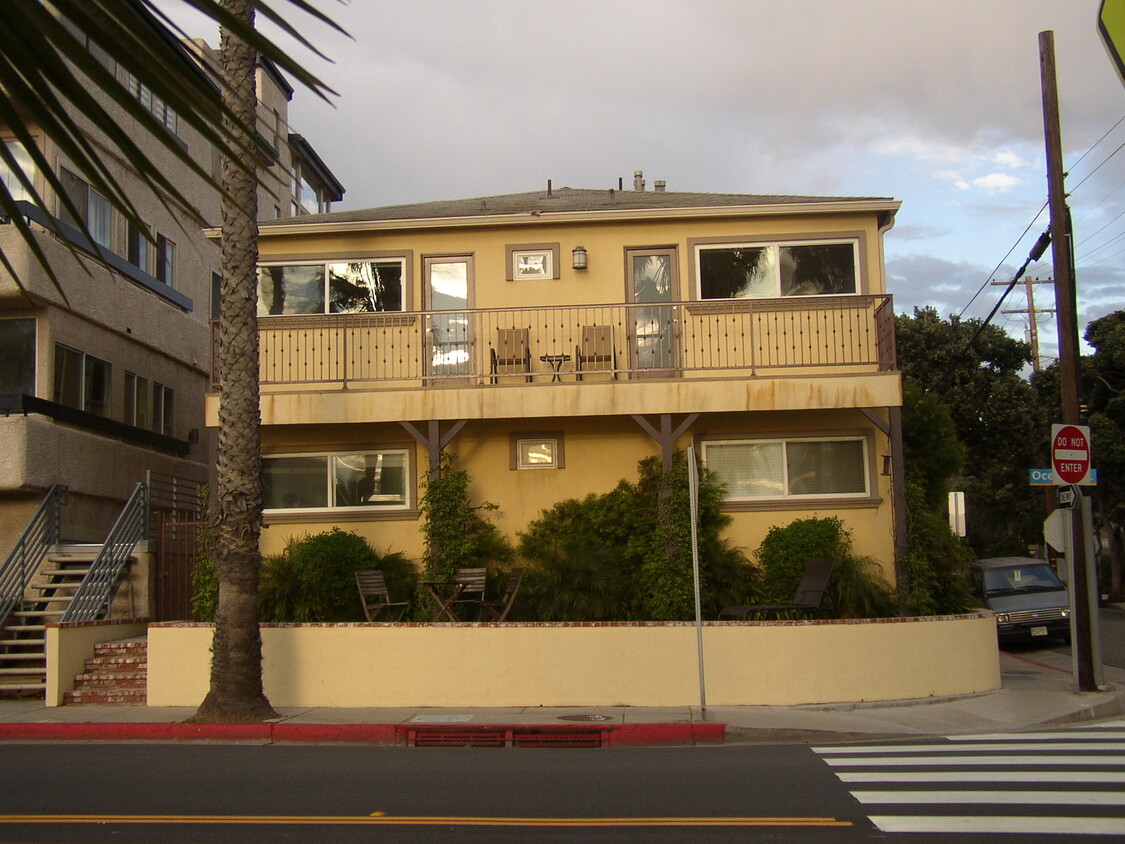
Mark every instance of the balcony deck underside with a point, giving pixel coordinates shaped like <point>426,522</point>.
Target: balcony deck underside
<point>313,406</point>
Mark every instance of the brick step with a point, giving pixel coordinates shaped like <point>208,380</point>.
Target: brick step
<point>137,696</point>
<point>119,653</point>
<point>115,679</point>
<point>96,666</point>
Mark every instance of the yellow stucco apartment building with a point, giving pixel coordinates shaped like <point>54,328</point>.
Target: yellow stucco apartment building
<point>553,339</point>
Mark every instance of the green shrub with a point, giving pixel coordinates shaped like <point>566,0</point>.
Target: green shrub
<point>936,565</point>
<point>857,588</point>
<point>313,579</point>
<point>626,554</point>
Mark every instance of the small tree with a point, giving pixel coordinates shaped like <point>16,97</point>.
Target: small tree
<point>457,535</point>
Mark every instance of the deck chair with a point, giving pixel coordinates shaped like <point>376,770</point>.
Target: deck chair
<point>470,588</point>
<point>808,598</point>
<point>511,349</point>
<point>596,348</point>
<point>377,604</point>
<point>498,610</point>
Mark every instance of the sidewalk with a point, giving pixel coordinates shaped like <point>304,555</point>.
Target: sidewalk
<point>1038,692</point>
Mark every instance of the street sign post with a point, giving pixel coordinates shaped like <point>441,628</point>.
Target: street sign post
<point>1070,454</point>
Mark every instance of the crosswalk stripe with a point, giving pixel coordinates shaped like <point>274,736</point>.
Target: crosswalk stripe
<point>1010,798</point>
<point>999,825</point>
<point>896,777</point>
<point>973,760</point>
<point>999,745</point>
<point>1083,733</point>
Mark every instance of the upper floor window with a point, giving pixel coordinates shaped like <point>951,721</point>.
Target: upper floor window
<point>94,213</point>
<point>768,270</point>
<point>10,177</point>
<point>163,407</point>
<point>160,109</point>
<point>139,248</point>
<point>165,259</point>
<point>789,468</point>
<point>81,381</point>
<point>136,400</point>
<point>339,287</point>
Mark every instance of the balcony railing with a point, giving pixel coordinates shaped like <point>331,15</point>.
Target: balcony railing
<point>541,345</point>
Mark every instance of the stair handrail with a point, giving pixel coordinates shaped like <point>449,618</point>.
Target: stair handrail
<point>22,563</point>
<point>96,590</point>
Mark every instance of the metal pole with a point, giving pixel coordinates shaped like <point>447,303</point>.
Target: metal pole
<point>1069,360</point>
<point>693,496</point>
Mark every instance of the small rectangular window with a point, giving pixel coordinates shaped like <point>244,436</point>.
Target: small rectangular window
<point>362,286</point>
<point>23,164</point>
<point>165,259</point>
<point>17,356</point>
<point>139,248</point>
<point>162,409</point>
<point>136,400</point>
<point>81,381</point>
<point>536,450</point>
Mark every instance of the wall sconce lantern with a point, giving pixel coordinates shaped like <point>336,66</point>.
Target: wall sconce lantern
<point>578,258</point>
<point>886,464</point>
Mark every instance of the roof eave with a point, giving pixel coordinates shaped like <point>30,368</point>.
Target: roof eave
<point>302,225</point>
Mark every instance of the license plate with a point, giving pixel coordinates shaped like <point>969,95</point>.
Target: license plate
<point>1038,631</point>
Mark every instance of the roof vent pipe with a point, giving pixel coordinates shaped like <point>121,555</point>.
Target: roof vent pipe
<point>638,180</point>
<point>549,194</point>
<point>659,185</point>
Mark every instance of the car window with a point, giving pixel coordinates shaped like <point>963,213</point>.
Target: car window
<point>1021,578</point>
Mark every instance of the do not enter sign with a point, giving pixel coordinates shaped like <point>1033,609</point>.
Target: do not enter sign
<point>1070,454</point>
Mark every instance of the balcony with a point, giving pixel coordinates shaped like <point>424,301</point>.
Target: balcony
<point>480,348</point>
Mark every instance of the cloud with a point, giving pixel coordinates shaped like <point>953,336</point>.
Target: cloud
<point>996,182</point>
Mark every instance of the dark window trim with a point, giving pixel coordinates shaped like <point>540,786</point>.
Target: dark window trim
<point>22,403</point>
<point>114,260</point>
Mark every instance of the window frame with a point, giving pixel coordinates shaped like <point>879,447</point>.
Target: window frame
<point>87,201</point>
<point>86,379</point>
<point>26,358</point>
<point>403,259</point>
<point>409,497</point>
<point>165,260</point>
<point>788,497</point>
<point>515,458</point>
<point>856,239</point>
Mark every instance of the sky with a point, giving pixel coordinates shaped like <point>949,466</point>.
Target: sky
<point>936,104</point>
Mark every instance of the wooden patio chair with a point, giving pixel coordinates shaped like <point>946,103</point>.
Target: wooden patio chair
<point>498,610</point>
<point>375,597</point>
<point>808,598</point>
<point>511,350</point>
<point>596,348</point>
<point>470,588</point>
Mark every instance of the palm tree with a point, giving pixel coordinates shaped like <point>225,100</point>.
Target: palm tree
<point>236,692</point>
<point>47,67</point>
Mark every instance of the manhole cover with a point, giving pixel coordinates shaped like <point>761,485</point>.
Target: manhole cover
<point>585,717</point>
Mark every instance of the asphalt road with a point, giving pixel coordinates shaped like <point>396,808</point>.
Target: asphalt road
<point>168,794</point>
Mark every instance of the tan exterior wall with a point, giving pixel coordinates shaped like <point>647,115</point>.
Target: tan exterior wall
<point>461,665</point>
<point>68,647</point>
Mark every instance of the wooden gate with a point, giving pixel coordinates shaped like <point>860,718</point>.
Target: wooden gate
<point>175,558</point>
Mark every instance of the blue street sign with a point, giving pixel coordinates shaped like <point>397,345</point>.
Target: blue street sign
<point>1045,477</point>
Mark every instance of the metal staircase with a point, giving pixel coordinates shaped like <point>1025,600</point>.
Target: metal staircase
<point>43,581</point>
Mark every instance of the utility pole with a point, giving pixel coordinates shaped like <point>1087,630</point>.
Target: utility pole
<point>1032,312</point>
<point>1066,301</point>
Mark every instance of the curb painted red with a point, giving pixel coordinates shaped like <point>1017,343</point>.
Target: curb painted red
<point>620,735</point>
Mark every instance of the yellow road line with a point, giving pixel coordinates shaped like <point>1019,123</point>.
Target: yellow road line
<point>419,820</point>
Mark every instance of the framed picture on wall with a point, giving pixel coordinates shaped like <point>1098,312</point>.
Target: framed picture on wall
<point>528,261</point>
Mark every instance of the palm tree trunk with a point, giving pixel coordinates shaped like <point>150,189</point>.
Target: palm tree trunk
<point>236,693</point>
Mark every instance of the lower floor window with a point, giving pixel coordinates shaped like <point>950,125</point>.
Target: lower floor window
<point>17,356</point>
<point>763,469</point>
<point>317,481</point>
<point>81,381</point>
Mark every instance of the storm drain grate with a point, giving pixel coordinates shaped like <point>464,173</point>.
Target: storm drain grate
<point>506,737</point>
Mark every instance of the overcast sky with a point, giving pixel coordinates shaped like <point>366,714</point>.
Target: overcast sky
<point>937,104</point>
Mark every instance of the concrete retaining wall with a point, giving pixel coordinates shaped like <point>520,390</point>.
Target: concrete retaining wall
<point>589,664</point>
